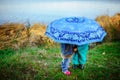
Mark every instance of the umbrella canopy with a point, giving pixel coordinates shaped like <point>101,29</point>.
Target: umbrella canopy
<point>75,30</point>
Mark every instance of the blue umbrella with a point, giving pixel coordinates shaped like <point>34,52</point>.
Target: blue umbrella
<point>75,30</point>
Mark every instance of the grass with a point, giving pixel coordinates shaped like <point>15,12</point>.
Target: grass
<point>39,63</point>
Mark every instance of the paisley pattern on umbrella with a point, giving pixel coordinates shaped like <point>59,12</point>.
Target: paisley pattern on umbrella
<point>75,30</point>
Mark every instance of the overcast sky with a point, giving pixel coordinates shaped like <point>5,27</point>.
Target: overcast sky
<point>48,10</point>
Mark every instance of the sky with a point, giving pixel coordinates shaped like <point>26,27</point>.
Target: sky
<point>45,11</point>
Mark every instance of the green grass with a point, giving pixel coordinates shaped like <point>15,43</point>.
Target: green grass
<point>39,63</point>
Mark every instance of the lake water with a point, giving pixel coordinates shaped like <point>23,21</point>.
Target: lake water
<point>46,11</point>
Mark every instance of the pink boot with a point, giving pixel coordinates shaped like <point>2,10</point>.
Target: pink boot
<point>67,72</point>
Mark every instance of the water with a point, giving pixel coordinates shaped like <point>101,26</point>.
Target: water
<point>48,10</point>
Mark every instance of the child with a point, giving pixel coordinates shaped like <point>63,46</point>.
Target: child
<point>66,52</point>
<point>79,56</point>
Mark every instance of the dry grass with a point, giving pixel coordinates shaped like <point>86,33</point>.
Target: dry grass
<point>16,35</point>
<point>111,26</point>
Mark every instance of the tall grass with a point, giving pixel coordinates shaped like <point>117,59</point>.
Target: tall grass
<point>111,25</point>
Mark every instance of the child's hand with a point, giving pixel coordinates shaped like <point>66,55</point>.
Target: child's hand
<point>74,50</point>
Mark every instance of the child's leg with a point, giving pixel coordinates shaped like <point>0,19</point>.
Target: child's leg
<point>68,62</point>
<point>75,62</point>
<point>82,52</point>
<point>75,59</point>
<point>64,66</point>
